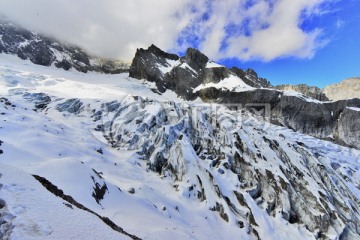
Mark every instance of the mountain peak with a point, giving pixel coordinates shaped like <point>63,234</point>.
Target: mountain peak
<point>158,52</point>
<point>196,59</point>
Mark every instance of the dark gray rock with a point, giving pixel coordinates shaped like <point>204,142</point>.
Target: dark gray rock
<point>40,100</point>
<point>71,106</point>
<point>183,77</point>
<point>146,65</point>
<point>196,59</point>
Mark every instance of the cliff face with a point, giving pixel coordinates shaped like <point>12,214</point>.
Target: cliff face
<point>185,75</point>
<point>349,88</point>
<point>310,91</point>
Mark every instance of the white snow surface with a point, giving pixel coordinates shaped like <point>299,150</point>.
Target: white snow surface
<point>232,83</point>
<point>212,64</point>
<point>36,213</point>
<point>302,96</point>
<point>354,108</point>
<point>170,64</point>
<point>63,148</point>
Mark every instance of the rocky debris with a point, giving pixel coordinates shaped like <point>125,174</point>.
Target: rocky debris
<point>40,100</point>
<point>6,102</point>
<point>131,190</point>
<point>349,88</point>
<point>290,181</point>
<point>310,91</point>
<point>6,226</point>
<point>99,191</point>
<point>71,106</point>
<point>6,218</point>
<point>59,193</point>
<point>47,51</point>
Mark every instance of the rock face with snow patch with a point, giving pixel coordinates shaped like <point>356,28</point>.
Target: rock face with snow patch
<point>313,92</point>
<point>46,51</point>
<point>318,119</point>
<point>251,78</point>
<point>181,75</point>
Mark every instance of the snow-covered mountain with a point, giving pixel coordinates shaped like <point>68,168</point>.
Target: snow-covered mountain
<point>193,76</point>
<point>183,148</point>
<point>47,51</point>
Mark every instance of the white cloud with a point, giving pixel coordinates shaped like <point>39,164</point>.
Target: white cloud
<point>270,29</point>
<point>340,23</point>
<point>110,27</point>
<point>244,29</point>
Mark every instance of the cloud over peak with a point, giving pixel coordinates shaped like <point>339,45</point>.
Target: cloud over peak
<point>243,29</point>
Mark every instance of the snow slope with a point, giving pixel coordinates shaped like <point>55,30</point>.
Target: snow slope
<point>159,167</point>
<point>232,83</point>
<point>63,150</point>
<point>32,212</point>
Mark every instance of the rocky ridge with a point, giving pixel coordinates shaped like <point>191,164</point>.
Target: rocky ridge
<point>311,91</point>
<point>46,51</point>
<point>184,74</point>
<point>349,88</point>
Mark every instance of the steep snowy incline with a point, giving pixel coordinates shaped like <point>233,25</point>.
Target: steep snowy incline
<point>160,167</point>
<point>29,211</point>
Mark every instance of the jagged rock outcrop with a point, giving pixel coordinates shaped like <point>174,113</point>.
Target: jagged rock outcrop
<point>310,91</point>
<point>251,78</point>
<point>184,74</point>
<point>349,88</point>
<point>47,51</point>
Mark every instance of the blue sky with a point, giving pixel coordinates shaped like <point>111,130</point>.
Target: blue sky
<point>286,41</point>
<point>337,60</point>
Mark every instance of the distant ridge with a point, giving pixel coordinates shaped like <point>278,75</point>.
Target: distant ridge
<point>46,51</point>
<point>348,88</point>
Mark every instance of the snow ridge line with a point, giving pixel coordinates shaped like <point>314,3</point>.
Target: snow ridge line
<point>59,193</point>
